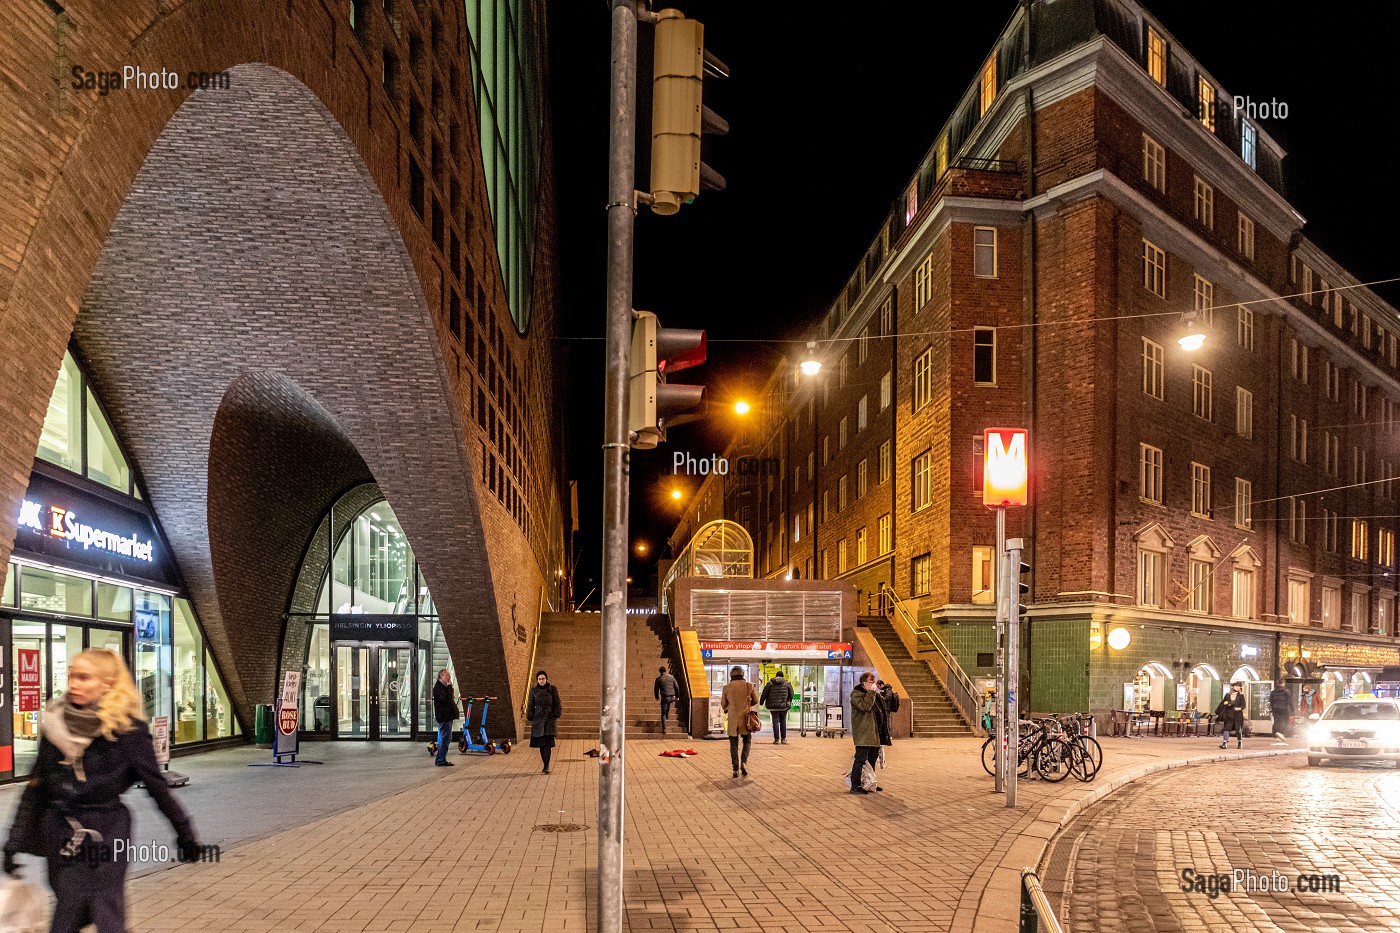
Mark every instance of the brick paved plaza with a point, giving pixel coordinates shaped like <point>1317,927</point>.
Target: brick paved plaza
<point>785,849</point>
<point>1121,862</point>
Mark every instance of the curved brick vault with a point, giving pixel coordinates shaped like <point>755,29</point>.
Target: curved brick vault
<point>252,241</point>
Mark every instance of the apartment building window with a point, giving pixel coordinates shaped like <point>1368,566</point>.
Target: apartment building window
<point>1244,503</point>
<point>884,461</point>
<point>1388,415</point>
<point>984,356</point>
<point>1385,548</point>
<point>826,505</point>
<point>1360,539</point>
<point>1154,163</point>
<point>1201,397</point>
<point>1390,345</point>
<point>1299,601</point>
<point>826,564</point>
<point>797,479</point>
<point>826,449</point>
<point>1156,56</point>
<point>1358,464</point>
<point>1204,204</point>
<point>1151,576</point>
<point>923,282</point>
<point>862,476</point>
<point>1355,321</point>
<point>984,252</point>
<point>1205,103</point>
<point>988,85</point>
<point>1331,381</point>
<point>1242,593</point>
<point>1248,144</point>
<point>1200,574</point>
<point>1244,412</point>
<point>886,384</point>
<point>1298,438</point>
<point>1307,281</point>
<point>811,465</point>
<point>796,529</point>
<point>983,592</point>
<point>861,409</point>
<point>921,478</point>
<point>841,556</point>
<point>1331,606</point>
<point>919,575</point>
<point>883,532</point>
<point>841,494</point>
<point>1331,453</point>
<point>923,379</point>
<point>1329,530</point>
<point>1359,617</point>
<point>860,546</point>
<point>1338,312</point>
<point>1152,380</point>
<point>1359,397</point>
<point>1246,238</point>
<point>1154,269</point>
<point>1299,353</point>
<point>1297,520</point>
<point>1200,490</point>
<point>1385,615</point>
<point>1244,328</point>
<point>1150,473</point>
<point>1203,300</point>
<point>887,318</point>
<point>940,158</point>
<point>863,346</point>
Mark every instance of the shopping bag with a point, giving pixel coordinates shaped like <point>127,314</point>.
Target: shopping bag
<point>882,757</point>
<point>23,907</point>
<point>867,776</point>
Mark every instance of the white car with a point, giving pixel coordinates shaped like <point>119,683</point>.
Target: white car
<point>1357,729</point>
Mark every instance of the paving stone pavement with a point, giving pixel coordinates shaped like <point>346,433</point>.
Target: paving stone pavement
<point>1118,866</point>
<point>783,850</point>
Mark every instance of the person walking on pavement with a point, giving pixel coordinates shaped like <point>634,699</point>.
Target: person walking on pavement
<point>1281,706</point>
<point>445,710</point>
<point>666,690</point>
<point>870,727</point>
<point>1231,713</point>
<point>777,699</point>
<point>94,744</point>
<point>738,699</point>
<point>543,711</point>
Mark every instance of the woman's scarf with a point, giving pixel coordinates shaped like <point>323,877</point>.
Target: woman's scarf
<point>71,729</point>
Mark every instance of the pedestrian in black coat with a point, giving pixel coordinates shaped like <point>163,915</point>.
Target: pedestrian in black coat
<point>93,746</point>
<point>445,710</point>
<point>1231,713</point>
<point>543,711</point>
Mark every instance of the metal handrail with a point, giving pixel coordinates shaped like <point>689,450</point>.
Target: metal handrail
<point>959,685</point>
<point>1035,906</point>
<point>534,647</point>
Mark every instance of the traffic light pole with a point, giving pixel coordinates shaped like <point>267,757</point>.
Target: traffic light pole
<point>621,218</point>
<point>1013,657</point>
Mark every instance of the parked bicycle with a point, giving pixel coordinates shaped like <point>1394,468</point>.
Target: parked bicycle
<point>1054,747</point>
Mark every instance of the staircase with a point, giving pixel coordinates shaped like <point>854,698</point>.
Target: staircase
<point>934,713</point>
<point>569,650</point>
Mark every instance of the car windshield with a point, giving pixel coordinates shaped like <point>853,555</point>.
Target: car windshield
<point>1363,712</point>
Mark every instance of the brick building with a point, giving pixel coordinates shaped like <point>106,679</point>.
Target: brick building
<point>1093,196</point>
<point>304,282</point>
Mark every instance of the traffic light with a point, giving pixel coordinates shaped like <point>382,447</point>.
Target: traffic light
<point>657,352</point>
<point>678,116</point>
<point>1020,591</point>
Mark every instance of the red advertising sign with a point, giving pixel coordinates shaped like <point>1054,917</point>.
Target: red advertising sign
<point>287,720</point>
<point>30,679</point>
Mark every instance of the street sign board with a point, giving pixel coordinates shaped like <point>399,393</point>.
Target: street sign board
<point>1005,469</point>
<point>160,737</point>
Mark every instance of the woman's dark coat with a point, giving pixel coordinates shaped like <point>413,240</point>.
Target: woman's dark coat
<point>542,711</point>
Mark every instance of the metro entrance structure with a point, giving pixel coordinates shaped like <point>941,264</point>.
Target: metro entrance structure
<point>295,331</point>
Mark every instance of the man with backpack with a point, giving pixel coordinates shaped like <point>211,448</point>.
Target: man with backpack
<point>777,699</point>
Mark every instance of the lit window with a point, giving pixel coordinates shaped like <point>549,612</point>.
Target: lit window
<point>1151,576</point>
<point>1150,473</point>
<point>886,384</point>
<point>1205,103</point>
<point>923,379</point>
<point>1360,604</point>
<point>1154,163</point>
<point>1244,412</point>
<point>982,574</point>
<point>911,202</point>
<point>1385,548</point>
<point>1242,597</point>
<point>919,575</point>
<point>1248,144</point>
<point>1331,607</point>
<point>1154,269</point>
<point>884,534</point>
<point>1156,57</point>
<point>923,282</point>
<point>841,435</point>
<point>984,252</point>
<point>884,461</point>
<point>1200,573</point>
<point>860,547</point>
<point>1244,503</point>
<point>1205,204</point>
<point>984,356</point>
<point>1200,490</point>
<point>861,408</point>
<point>1152,377</point>
<point>940,163</point>
<point>1299,600</point>
<point>988,85</point>
<point>841,556</point>
<point>841,494</point>
<point>921,478</point>
<point>1201,397</point>
<point>862,478</point>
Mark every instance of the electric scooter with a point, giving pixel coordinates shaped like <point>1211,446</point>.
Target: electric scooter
<point>485,746</point>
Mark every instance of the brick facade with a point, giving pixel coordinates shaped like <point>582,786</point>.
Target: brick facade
<point>307,255</point>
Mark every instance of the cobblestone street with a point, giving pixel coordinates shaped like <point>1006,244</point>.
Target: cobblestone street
<point>1121,861</point>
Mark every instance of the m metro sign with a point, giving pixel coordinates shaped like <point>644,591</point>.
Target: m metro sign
<point>1005,467</point>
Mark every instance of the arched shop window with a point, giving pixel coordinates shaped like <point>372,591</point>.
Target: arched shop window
<point>120,592</point>
<point>372,579</point>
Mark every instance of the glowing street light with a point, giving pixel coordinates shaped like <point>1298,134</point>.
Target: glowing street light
<point>1194,336</point>
<point>641,548</point>
<point>811,365</point>
<point>675,493</point>
<point>741,407</point>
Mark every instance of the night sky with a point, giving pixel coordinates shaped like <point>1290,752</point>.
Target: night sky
<point>829,118</point>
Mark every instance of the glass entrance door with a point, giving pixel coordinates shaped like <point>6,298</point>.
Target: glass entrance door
<point>373,691</point>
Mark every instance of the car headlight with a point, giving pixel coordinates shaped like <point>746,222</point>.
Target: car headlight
<point>1318,735</point>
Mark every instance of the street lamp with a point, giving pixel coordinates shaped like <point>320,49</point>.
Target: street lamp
<point>1195,335</point>
<point>811,365</point>
<point>741,407</point>
<point>675,494</point>
<point>641,548</point>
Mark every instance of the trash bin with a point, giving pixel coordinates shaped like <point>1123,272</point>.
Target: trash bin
<point>262,726</point>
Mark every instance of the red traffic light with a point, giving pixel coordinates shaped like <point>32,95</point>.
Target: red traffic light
<point>679,348</point>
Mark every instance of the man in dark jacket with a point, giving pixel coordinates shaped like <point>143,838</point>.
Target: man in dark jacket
<point>666,690</point>
<point>777,699</point>
<point>444,711</point>
<point>1231,713</point>
<point>870,723</point>
<point>1281,706</point>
